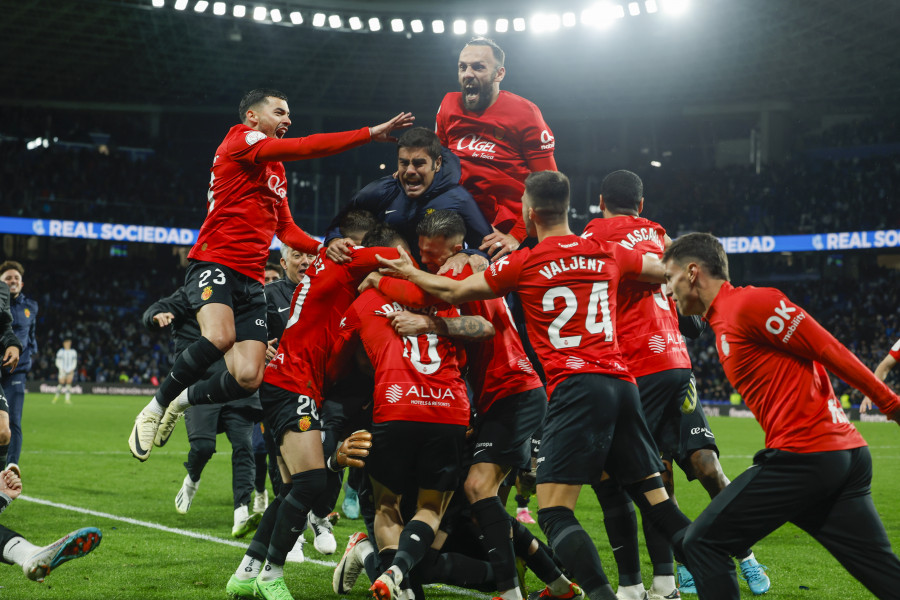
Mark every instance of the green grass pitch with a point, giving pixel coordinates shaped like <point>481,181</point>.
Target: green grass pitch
<point>78,456</point>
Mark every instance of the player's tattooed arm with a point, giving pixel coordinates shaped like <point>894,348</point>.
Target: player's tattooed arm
<point>465,327</point>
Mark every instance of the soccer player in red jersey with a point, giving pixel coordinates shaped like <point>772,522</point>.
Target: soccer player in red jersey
<point>655,353</point>
<point>247,205</point>
<point>816,470</point>
<point>510,404</point>
<point>421,411</point>
<point>886,365</point>
<point>499,137</point>
<point>594,423</point>
<point>291,395</point>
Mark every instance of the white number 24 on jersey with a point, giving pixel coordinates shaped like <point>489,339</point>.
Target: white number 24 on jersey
<point>597,320</point>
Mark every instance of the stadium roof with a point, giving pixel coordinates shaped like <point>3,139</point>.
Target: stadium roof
<point>726,54</point>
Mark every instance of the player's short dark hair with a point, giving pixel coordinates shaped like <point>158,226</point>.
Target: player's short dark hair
<point>270,266</point>
<point>421,137</point>
<point>357,222</point>
<point>622,192</point>
<point>702,248</point>
<point>381,235</point>
<point>499,54</point>
<point>254,97</point>
<point>14,265</point>
<point>548,194</point>
<point>443,223</point>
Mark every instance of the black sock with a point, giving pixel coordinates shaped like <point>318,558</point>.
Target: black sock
<point>457,569</point>
<point>220,388</point>
<point>259,545</point>
<point>494,523</point>
<point>540,562</point>
<point>659,550</point>
<point>326,502</point>
<point>189,367</point>
<point>385,560</point>
<point>305,488</point>
<point>259,475</point>
<point>373,566</point>
<point>4,453</point>
<point>521,501</point>
<point>621,529</point>
<point>415,541</point>
<point>665,516</point>
<point>576,550</point>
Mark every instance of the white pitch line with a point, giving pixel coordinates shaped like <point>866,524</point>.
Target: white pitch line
<point>199,536</point>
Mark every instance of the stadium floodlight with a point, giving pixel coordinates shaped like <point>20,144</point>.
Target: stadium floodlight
<point>158,3</point>
<point>239,10</point>
<point>319,20</point>
<point>181,4</point>
<point>296,18</point>
<point>375,24</point>
<point>519,24</point>
<point>459,27</point>
<point>396,25</point>
<point>480,26</point>
<point>501,26</point>
<point>275,15</point>
<point>259,13</point>
<point>542,22</point>
<point>634,9</point>
<point>417,26</point>
<point>651,7</point>
<point>201,6</point>
<point>675,7</point>
<point>600,15</point>
<point>569,20</point>
<point>334,21</point>
<point>655,163</point>
<point>437,26</point>
<point>219,8</point>
<point>355,23</point>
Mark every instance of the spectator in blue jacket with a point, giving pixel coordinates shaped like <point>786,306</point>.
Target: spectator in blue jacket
<point>24,321</point>
<point>427,179</point>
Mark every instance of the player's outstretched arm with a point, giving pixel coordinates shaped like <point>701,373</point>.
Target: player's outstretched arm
<point>881,372</point>
<point>474,287</point>
<point>466,327</point>
<point>652,270</point>
<point>382,132</point>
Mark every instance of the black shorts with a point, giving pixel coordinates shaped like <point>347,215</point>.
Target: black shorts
<point>695,435</point>
<point>4,405</point>
<point>205,421</point>
<point>503,434</point>
<point>285,411</point>
<point>212,283</point>
<point>595,424</point>
<point>427,455</point>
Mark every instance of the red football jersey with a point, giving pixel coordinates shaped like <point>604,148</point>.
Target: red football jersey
<point>499,366</point>
<point>568,289</point>
<point>494,148</point>
<point>775,355</point>
<point>646,321</point>
<point>895,350</point>
<point>324,293</point>
<point>247,200</point>
<point>416,378</point>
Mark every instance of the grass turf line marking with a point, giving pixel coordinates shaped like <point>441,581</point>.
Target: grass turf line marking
<point>195,535</point>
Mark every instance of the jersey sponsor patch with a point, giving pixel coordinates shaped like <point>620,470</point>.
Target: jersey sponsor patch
<point>657,344</point>
<point>254,136</point>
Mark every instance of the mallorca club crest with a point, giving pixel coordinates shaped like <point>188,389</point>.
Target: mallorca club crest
<point>207,293</point>
<point>304,423</point>
<point>27,313</point>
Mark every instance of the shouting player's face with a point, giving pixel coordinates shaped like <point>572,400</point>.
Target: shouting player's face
<point>680,287</point>
<point>416,170</point>
<point>479,77</point>
<point>271,117</point>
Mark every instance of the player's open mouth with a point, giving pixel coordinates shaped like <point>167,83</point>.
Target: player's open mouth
<point>472,92</point>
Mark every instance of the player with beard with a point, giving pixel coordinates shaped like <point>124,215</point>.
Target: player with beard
<point>499,137</point>
<point>816,469</point>
<point>247,205</point>
<point>510,404</point>
<point>292,395</point>
<point>594,423</point>
<point>655,354</point>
